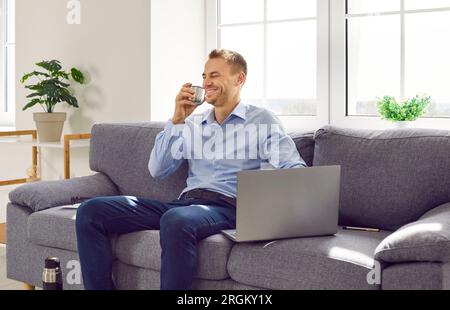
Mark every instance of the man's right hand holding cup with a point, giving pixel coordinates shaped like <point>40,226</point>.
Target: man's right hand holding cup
<point>184,104</point>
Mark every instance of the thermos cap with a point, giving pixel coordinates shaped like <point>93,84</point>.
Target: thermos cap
<point>52,262</point>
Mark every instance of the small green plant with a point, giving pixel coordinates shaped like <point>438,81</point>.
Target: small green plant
<point>52,86</point>
<point>409,110</point>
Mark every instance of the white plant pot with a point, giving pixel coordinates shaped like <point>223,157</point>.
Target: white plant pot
<point>49,126</point>
<point>403,124</point>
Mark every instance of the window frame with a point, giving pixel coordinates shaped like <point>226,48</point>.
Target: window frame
<point>338,74</point>
<point>291,122</point>
<point>7,112</point>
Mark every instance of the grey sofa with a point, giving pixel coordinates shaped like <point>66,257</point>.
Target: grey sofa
<point>397,181</point>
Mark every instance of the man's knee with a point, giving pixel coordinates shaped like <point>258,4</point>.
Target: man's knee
<point>177,220</point>
<point>89,211</point>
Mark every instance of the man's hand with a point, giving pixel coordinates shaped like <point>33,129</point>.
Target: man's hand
<point>184,105</point>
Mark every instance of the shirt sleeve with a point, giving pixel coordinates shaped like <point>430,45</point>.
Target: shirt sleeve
<point>278,148</point>
<point>167,154</point>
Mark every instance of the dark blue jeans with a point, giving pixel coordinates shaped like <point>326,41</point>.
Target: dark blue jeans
<point>182,223</point>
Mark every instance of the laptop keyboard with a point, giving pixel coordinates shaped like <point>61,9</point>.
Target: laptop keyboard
<point>230,233</point>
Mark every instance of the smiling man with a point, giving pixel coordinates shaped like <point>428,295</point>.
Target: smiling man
<point>208,203</point>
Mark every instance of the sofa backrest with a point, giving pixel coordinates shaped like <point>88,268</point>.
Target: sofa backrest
<point>122,151</point>
<point>388,178</point>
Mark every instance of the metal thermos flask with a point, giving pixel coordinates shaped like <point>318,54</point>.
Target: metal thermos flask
<point>52,277</point>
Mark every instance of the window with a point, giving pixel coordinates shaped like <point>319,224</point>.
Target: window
<point>7,62</point>
<point>285,43</point>
<point>398,48</point>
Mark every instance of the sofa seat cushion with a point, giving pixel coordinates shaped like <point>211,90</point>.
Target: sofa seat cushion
<point>54,228</point>
<point>342,261</point>
<point>142,249</point>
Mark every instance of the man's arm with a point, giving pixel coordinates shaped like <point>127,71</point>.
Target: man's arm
<point>167,152</point>
<point>278,148</point>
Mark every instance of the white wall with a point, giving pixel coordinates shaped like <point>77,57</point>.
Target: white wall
<point>112,44</point>
<point>177,51</point>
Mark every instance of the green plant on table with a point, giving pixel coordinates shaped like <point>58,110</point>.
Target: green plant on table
<point>52,85</point>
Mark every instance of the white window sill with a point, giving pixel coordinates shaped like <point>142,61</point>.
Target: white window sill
<point>7,128</point>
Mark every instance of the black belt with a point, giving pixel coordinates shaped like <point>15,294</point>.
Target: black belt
<point>209,196</point>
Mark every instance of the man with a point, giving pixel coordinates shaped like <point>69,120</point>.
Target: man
<point>207,205</point>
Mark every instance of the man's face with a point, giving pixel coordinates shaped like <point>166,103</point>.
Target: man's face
<point>221,83</point>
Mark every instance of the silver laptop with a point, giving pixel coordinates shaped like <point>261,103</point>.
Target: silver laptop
<point>286,203</point>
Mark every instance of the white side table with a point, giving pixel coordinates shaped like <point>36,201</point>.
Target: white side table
<point>69,141</point>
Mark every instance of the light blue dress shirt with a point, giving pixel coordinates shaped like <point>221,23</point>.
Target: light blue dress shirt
<point>250,138</point>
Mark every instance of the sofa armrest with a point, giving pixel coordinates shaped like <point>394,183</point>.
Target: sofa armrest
<point>425,240</point>
<point>48,194</point>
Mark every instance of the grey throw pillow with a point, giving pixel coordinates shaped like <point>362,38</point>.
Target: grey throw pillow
<point>426,240</point>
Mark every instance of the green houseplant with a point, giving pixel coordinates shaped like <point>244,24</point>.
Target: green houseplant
<point>51,88</point>
<point>402,112</point>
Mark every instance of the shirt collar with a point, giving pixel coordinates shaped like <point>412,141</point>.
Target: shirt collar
<point>239,111</point>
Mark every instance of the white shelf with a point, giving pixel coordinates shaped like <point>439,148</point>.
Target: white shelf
<point>55,145</point>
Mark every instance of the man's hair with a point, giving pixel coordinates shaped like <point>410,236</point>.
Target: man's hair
<point>232,58</point>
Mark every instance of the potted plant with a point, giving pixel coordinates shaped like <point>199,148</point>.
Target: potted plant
<point>402,113</point>
<point>51,87</point>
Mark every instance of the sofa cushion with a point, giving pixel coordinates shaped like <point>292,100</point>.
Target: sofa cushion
<point>48,194</point>
<point>342,261</point>
<point>122,152</point>
<point>425,240</point>
<point>53,227</point>
<point>304,141</point>
<point>388,178</point>
<point>142,249</point>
